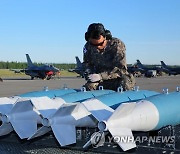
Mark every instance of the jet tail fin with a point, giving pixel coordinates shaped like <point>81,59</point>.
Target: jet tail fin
<point>29,62</point>
<point>139,64</point>
<point>78,62</point>
<point>163,64</point>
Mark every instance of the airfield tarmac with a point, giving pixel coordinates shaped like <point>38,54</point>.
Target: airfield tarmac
<point>15,86</point>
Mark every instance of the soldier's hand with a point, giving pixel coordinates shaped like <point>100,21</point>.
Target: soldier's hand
<point>94,77</point>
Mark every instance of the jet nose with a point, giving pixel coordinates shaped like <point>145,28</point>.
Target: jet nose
<point>57,69</point>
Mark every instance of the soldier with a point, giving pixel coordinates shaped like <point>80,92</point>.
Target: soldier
<point>1,80</point>
<point>105,60</point>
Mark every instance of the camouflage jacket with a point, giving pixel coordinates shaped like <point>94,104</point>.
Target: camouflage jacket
<point>109,62</point>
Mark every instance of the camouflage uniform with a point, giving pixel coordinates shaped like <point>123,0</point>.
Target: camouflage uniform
<point>110,63</point>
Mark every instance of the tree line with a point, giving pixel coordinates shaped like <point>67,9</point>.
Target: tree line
<point>23,65</point>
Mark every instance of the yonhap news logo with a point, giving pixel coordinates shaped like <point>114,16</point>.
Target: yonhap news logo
<point>98,139</point>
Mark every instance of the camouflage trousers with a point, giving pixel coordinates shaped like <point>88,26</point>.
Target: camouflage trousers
<point>127,82</point>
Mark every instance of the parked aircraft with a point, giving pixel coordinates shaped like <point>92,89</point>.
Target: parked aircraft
<point>149,72</point>
<point>42,72</point>
<point>79,67</point>
<point>170,70</point>
<point>135,70</point>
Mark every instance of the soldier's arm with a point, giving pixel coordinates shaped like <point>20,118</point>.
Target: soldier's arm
<point>119,62</point>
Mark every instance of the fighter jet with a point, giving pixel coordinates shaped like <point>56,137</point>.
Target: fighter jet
<point>170,70</point>
<point>79,67</point>
<point>43,72</point>
<point>135,70</point>
<point>149,72</point>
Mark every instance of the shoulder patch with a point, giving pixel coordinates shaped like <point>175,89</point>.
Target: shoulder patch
<point>84,50</point>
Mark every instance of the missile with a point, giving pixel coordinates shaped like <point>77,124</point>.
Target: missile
<point>70,116</point>
<point>148,114</point>
<point>27,109</point>
<point>26,113</point>
<point>68,98</point>
<point>7,103</point>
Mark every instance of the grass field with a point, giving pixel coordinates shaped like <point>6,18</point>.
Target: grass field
<point>7,73</point>
<point>65,73</point>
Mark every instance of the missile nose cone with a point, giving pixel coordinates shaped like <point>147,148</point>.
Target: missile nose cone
<point>102,126</point>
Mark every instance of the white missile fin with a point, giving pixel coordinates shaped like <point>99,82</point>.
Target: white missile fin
<point>66,118</point>
<point>24,128</point>
<point>65,134</point>
<point>45,105</point>
<point>73,114</point>
<point>5,129</point>
<point>6,104</point>
<point>123,110</point>
<point>82,117</point>
<point>65,110</point>
<point>124,137</point>
<point>99,110</point>
<point>41,131</point>
<point>24,119</point>
<point>59,100</point>
<point>22,106</point>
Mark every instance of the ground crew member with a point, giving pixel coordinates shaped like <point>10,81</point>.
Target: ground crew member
<point>105,60</point>
<point>1,80</point>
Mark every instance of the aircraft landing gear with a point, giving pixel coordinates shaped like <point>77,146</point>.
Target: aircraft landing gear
<point>48,77</point>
